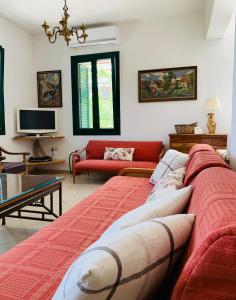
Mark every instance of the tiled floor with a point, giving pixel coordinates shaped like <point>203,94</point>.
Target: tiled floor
<point>17,230</point>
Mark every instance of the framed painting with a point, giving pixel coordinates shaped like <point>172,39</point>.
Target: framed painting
<point>49,89</point>
<point>171,84</point>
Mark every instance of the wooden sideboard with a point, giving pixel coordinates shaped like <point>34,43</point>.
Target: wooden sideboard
<point>184,142</point>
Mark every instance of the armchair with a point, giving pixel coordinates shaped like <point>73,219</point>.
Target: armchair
<point>12,167</point>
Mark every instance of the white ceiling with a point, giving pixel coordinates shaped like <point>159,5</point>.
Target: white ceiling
<point>30,14</point>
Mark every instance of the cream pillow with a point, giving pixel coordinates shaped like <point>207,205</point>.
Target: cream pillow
<point>171,161</point>
<point>129,265</point>
<point>170,182</point>
<point>119,153</point>
<point>167,204</point>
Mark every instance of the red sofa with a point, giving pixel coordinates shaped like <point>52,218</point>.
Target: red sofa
<point>146,155</point>
<point>34,268</point>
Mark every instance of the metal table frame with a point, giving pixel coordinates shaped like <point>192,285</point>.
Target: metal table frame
<point>34,199</point>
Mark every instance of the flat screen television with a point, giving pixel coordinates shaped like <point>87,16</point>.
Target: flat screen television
<point>36,120</point>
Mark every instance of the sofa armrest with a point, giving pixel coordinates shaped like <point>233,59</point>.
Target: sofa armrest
<point>136,172</point>
<point>76,154</point>
<point>210,272</point>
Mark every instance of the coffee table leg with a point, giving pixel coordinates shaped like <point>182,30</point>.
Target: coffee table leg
<point>3,221</point>
<point>60,200</point>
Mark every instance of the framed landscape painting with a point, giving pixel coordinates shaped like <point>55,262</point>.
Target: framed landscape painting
<point>171,84</point>
<point>49,89</point>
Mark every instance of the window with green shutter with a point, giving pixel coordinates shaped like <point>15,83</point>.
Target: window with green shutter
<point>2,116</point>
<point>96,94</point>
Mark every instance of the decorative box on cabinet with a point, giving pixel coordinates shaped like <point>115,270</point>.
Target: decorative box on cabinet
<point>184,142</point>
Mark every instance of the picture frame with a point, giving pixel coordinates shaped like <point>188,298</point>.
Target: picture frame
<point>168,84</point>
<point>49,89</point>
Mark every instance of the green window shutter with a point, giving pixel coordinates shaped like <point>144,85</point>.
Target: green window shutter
<point>84,96</point>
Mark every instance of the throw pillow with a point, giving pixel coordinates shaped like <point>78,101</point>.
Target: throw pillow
<point>165,205</point>
<point>119,153</point>
<point>131,264</point>
<point>170,182</point>
<point>171,161</point>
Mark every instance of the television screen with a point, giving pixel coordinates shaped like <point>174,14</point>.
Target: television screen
<point>36,121</point>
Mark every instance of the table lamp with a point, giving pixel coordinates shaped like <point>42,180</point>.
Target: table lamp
<point>212,105</point>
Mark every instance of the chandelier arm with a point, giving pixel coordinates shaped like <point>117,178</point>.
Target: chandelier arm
<point>79,37</point>
<point>56,31</point>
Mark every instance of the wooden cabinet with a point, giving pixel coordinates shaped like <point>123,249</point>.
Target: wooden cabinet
<point>184,142</point>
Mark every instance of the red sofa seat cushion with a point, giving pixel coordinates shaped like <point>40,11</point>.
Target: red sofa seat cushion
<point>34,268</point>
<point>144,151</point>
<point>110,165</point>
<point>209,270</point>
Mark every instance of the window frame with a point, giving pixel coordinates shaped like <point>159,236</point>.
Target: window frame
<point>96,130</point>
<point>2,113</point>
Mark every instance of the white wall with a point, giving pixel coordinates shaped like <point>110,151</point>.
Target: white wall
<point>232,140</point>
<point>169,42</point>
<point>18,79</point>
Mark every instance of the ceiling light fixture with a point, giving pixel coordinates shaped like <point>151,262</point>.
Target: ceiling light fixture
<point>64,30</point>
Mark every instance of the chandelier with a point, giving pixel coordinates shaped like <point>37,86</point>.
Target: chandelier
<point>64,30</point>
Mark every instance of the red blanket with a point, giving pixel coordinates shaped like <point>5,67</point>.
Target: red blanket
<point>200,161</point>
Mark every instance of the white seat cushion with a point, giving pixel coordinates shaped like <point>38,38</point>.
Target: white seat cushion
<point>130,264</point>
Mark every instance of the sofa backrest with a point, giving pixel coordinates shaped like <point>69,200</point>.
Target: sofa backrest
<point>200,161</point>
<point>209,267</point>
<point>144,151</point>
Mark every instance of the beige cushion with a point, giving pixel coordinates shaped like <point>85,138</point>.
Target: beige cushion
<point>165,205</point>
<point>130,264</point>
<point>171,161</point>
<point>170,182</point>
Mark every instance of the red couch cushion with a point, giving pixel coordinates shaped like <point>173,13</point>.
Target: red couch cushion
<point>209,270</point>
<point>144,151</point>
<point>34,268</point>
<point>110,165</point>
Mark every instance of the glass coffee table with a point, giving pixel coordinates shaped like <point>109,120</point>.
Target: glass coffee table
<point>23,196</point>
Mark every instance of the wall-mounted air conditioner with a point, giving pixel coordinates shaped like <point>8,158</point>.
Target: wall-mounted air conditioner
<point>98,36</point>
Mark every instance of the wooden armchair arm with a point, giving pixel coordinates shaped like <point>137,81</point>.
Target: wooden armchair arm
<point>13,153</point>
<point>136,172</point>
<point>76,155</point>
<point>78,151</point>
<point>24,154</point>
<point>1,159</point>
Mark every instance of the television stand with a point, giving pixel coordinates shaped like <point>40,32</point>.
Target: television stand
<point>38,150</point>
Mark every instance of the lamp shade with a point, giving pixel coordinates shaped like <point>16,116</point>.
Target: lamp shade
<point>212,104</point>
